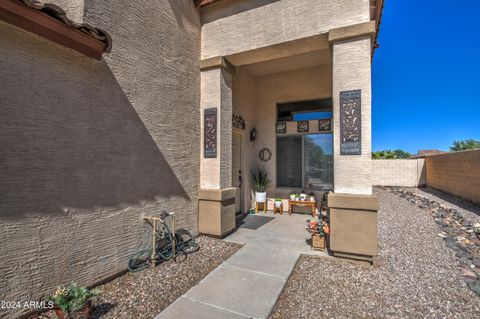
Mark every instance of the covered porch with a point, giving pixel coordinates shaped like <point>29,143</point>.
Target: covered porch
<point>299,109</point>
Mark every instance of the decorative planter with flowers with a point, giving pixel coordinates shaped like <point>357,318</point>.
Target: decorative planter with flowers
<point>303,196</point>
<point>73,301</point>
<point>318,229</point>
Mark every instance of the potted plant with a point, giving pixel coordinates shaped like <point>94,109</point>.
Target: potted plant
<point>73,300</point>
<point>293,196</point>
<point>303,195</point>
<point>312,197</point>
<point>260,183</point>
<point>318,229</point>
<point>278,202</point>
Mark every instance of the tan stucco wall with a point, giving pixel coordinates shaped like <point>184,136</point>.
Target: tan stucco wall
<point>299,85</point>
<point>88,147</point>
<point>398,172</point>
<point>456,173</point>
<point>230,27</point>
<point>216,92</point>
<point>73,8</point>
<point>352,71</point>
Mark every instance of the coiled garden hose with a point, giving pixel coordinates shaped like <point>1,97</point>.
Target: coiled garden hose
<point>185,244</point>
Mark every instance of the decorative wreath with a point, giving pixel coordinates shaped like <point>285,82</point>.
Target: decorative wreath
<point>265,154</point>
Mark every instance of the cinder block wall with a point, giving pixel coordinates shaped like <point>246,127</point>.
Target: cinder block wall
<point>88,147</point>
<point>398,172</point>
<point>456,173</point>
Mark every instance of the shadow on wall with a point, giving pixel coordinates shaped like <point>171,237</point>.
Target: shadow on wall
<point>69,146</point>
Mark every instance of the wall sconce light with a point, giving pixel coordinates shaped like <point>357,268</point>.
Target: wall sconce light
<point>253,135</point>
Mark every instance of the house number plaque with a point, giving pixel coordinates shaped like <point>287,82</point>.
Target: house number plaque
<point>210,133</point>
<point>350,123</point>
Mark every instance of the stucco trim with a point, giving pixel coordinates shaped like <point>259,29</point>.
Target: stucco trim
<point>217,62</point>
<point>352,31</point>
<point>38,22</point>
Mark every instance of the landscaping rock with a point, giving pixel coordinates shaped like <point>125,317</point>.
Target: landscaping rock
<point>418,276</point>
<point>461,234</point>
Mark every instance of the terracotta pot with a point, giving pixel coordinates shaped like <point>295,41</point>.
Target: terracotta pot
<point>83,313</point>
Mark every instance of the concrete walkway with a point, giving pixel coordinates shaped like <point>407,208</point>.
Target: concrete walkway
<point>247,285</point>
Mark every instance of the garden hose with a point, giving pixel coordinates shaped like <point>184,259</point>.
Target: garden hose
<point>185,244</point>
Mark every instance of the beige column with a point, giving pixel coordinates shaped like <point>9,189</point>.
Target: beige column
<point>216,196</point>
<point>352,71</point>
<point>353,208</point>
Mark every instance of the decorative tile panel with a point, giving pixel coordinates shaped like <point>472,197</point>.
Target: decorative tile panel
<point>281,127</point>
<point>238,122</point>
<point>210,133</point>
<point>350,123</point>
<point>325,125</point>
<point>302,126</point>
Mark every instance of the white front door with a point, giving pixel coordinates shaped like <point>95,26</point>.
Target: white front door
<point>237,178</point>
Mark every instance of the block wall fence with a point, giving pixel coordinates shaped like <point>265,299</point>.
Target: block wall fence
<point>456,173</point>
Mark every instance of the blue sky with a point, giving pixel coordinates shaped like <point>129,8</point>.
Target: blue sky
<point>426,75</point>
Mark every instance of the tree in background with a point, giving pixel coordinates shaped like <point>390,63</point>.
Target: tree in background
<point>391,154</point>
<point>465,145</point>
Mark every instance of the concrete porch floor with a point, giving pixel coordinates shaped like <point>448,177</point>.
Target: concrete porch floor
<point>247,285</point>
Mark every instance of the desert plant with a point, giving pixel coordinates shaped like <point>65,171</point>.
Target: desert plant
<point>72,297</point>
<point>260,180</point>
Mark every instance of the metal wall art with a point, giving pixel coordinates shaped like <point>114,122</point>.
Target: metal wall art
<point>325,125</point>
<point>350,123</point>
<point>238,122</point>
<point>265,154</point>
<point>281,127</point>
<point>302,126</point>
<point>210,133</point>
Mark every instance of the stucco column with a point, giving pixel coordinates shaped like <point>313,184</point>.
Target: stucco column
<point>216,196</point>
<point>216,94</point>
<point>352,80</point>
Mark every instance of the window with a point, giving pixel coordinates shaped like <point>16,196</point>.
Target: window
<point>305,160</point>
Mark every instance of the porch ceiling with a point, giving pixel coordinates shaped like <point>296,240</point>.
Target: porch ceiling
<point>290,63</point>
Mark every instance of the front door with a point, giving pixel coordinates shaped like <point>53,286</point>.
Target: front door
<point>237,178</point>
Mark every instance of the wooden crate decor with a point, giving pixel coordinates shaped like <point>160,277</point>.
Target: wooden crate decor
<point>281,127</point>
<point>302,126</point>
<point>318,242</point>
<point>210,133</point>
<point>350,123</point>
<point>325,125</point>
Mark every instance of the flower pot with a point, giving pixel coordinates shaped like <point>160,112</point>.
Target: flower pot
<point>292,197</point>
<point>312,198</point>
<point>261,197</point>
<point>278,204</point>
<point>318,242</point>
<point>83,313</point>
<point>303,196</point>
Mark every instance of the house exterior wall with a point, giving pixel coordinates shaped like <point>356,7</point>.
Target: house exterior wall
<point>456,173</point>
<point>73,8</point>
<point>236,26</point>
<point>88,147</point>
<point>309,84</point>
<point>398,172</point>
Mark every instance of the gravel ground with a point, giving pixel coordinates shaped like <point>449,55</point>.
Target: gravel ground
<point>145,294</point>
<point>417,275</point>
<point>467,210</point>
